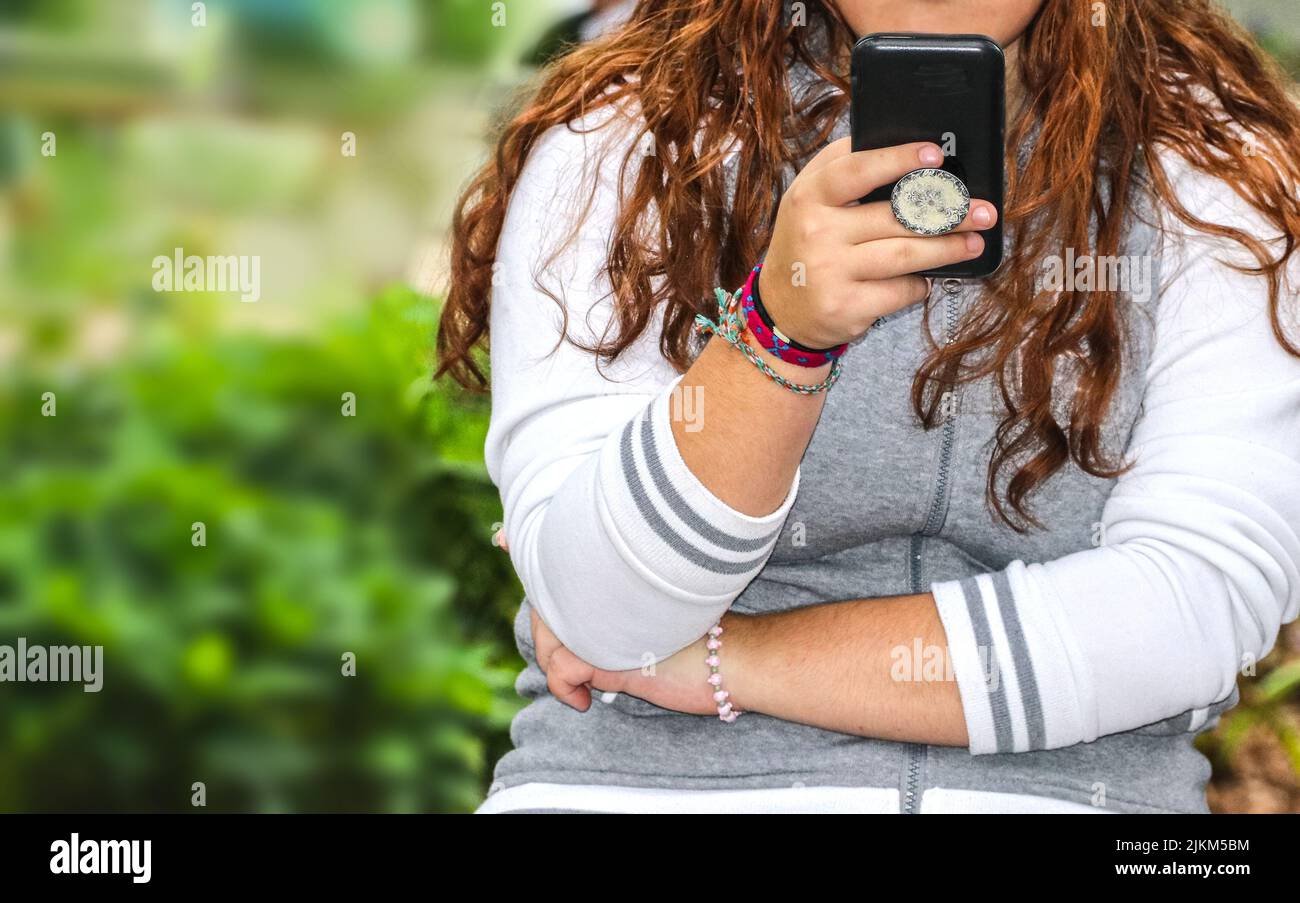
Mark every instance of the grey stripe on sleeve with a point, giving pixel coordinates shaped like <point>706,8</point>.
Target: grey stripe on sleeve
<point>1029,695</point>
<point>664,530</point>
<point>984,640</point>
<point>683,510</point>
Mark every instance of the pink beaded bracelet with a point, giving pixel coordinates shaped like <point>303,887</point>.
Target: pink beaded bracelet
<point>725,710</point>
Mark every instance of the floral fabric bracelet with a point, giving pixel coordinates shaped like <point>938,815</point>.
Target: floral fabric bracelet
<point>731,328</point>
<point>772,339</point>
<point>726,711</point>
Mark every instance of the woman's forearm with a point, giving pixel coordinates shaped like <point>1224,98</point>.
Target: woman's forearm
<point>832,268</point>
<point>870,667</point>
<point>739,432</point>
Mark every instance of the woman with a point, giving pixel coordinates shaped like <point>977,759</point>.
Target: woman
<point>1014,559</point>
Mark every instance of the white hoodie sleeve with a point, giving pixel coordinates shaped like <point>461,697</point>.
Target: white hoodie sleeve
<point>1200,564</point>
<point>621,549</point>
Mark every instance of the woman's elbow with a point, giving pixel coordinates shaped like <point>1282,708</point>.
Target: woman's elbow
<point>606,612</point>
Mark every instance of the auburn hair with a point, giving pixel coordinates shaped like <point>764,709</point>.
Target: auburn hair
<point>703,73</point>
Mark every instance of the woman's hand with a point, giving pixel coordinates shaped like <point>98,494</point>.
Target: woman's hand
<point>832,270</point>
<point>679,682</point>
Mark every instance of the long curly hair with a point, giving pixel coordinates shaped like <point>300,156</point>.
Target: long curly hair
<point>705,73</point>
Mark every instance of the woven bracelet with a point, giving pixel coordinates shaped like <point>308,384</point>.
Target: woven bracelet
<point>772,339</point>
<point>731,328</point>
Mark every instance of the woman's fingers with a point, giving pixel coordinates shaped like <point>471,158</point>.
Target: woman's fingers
<point>567,679</point>
<point>888,295</point>
<point>890,257</point>
<point>824,267</point>
<point>844,177</point>
<point>872,222</point>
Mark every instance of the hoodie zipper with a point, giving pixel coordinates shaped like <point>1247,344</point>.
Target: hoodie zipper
<point>948,408</point>
<point>917,753</point>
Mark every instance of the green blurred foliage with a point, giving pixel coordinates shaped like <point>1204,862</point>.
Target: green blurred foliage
<point>326,534</point>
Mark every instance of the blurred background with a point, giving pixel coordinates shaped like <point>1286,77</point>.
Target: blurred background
<point>339,496</point>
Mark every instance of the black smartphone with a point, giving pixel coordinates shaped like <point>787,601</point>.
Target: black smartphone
<point>949,89</point>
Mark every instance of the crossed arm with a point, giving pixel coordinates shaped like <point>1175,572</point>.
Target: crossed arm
<point>850,667</point>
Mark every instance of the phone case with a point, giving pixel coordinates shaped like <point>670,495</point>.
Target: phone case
<point>949,89</point>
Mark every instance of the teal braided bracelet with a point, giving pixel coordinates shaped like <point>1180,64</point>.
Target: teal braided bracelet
<point>731,327</point>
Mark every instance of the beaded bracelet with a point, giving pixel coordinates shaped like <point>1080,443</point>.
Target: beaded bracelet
<point>731,328</point>
<point>772,339</point>
<point>726,712</point>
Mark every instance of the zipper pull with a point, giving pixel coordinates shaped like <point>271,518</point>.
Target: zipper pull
<point>948,405</point>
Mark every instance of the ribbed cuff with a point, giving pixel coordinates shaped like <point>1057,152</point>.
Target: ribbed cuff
<point>1012,663</point>
<point>667,523</point>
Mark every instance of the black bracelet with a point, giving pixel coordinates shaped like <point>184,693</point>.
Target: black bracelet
<point>767,321</point>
